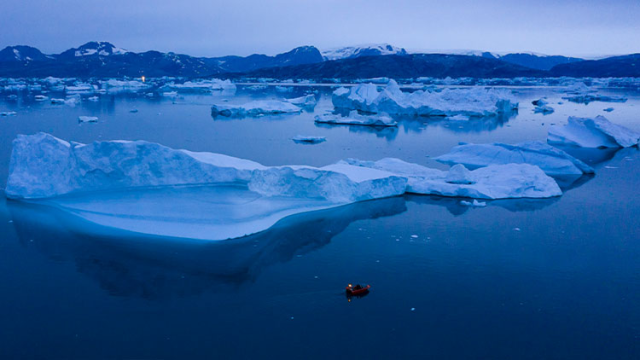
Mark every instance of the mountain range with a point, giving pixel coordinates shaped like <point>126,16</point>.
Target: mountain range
<point>102,59</point>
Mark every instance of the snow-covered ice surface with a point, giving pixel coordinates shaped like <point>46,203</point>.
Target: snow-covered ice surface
<point>507,181</point>
<point>592,133</point>
<point>354,118</point>
<point>475,101</point>
<point>255,108</point>
<point>551,160</point>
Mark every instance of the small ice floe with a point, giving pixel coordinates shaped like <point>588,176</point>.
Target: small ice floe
<point>356,119</point>
<point>171,94</point>
<point>551,160</point>
<point>41,98</point>
<point>133,111</point>
<point>255,108</point>
<point>284,88</point>
<point>256,87</point>
<point>516,229</point>
<point>608,109</point>
<point>70,101</point>
<point>87,119</point>
<point>610,167</point>
<point>592,133</point>
<point>474,203</point>
<point>302,139</point>
<point>413,309</point>
<point>57,101</point>
<point>458,117</point>
<point>93,98</point>
<point>587,98</point>
<point>8,113</point>
<point>201,86</point>
<point>304,101</point>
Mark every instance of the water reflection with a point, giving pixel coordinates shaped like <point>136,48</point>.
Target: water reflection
<point>159,268</point>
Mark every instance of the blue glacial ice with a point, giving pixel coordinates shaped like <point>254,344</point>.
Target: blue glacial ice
<point>148,188</point>
<point>475,101</point>
<point>551,160</point>
<point>592,133</point>
<point>255,108</point>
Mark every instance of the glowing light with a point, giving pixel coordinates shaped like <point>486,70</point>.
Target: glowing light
<point>143,78</point>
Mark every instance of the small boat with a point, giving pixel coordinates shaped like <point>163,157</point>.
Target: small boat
<point>357,289</point>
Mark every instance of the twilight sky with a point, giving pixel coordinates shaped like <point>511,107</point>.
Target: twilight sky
<point>242,27</point>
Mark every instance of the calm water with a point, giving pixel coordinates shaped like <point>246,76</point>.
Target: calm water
<point>554,279</point>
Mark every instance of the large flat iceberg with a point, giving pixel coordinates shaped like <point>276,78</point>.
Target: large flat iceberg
<point>121,184</point>
<point>255,108</point>
<point>475,101</point>
<point>356,119</point>
<point>592,133</point>
<point>552,161</point>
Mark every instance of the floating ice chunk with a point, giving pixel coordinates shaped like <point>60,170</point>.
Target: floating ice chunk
<point>475,203</point>
<point>305,101</point>
<point>57,101</point>
<point>458,117</point>
<point>93,98</point>
<point>458,174</point>
<point>284,88</point>
<point>81,89</point>
<point>8,113</point>
<point>592,133</point>
<point>41,98</point>
<point>302,139</point>
<point>551,160</point>
<point>542,107</point>
<point>587,98</point>
<point>171,94</point>
<point>44,166</point>
<point>257,87</point>
<point>117,86</point>
<point>255,108</point>
<point>476,101</point>
<point>491,182</point>
<point>87,119</point>
<point>356,119</point>
<point>201,86</point>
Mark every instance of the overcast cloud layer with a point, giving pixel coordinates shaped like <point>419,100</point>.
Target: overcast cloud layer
<point>213,28</point>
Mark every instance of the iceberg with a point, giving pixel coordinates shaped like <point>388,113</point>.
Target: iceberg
<point>475,101</point>
<point>587,98</point>
<point>302,139</point>
<point>44,166</point>
<point>356,119</point>
<point>542,107</point>
<point>304,101</point>
<point>87,119</point>
<point>125,185</point>
<point>255,108</point>
<point>552,161</point>
<point>202,86</point>
<point>41,98</point>
<point>8,113</point>
<point>592,133</point>
<point>507,181</point>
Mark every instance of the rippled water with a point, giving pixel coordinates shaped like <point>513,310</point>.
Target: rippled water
<point>554,278</point>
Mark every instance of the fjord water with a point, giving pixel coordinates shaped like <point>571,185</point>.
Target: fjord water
<point>554,279</point>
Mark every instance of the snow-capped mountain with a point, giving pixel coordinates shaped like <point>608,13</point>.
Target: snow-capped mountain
<point>363,50</point>
<point>21,53</point>
<point>93,48</point>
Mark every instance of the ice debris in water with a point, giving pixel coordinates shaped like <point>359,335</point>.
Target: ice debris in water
<point>87,119</point>
<point>304,101</point>
<point>303,139</point>
<point>551,160</point>
<point>592,133</point>
<point>448,102</point>
<point>255,108</point>
<point>8,113</point>
<point>542,106</point>
<point>202,86</point>
<point>474,203</point>
<point>355,118</point>
<point>587,98</point>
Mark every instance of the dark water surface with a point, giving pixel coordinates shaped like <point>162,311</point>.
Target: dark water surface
<point>518,279</point>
